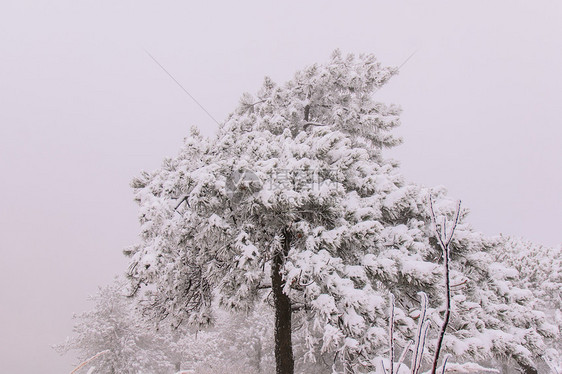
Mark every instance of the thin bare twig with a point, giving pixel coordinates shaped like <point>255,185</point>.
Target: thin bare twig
<point>444,242</point>
<point>421,323</point>
<point>422,345</point>
<point>391,333</point>
<point>445,364</point>
<point>89,360</point>
<point>403,355</point>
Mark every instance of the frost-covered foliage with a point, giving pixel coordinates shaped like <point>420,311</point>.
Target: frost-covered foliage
<point>237,343</point>
<point>303,161</point>
<point>241,343</point>
<point>536,275</point>
<point>114,326</point>
<point>538,269</point>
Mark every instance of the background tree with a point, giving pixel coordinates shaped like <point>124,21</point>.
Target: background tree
<point>535,274</point>
<point>238,343</point>
<point>293,197</point>
<point>115,326</point>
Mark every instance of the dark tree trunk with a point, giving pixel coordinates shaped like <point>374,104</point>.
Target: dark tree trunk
<point>284,361</point>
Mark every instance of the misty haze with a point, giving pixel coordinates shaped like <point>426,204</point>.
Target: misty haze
<point>303,187</point>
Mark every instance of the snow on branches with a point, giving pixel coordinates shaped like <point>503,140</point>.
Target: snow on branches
<point>293,196</point>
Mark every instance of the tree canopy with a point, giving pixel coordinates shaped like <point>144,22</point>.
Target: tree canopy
<point>293,202</point>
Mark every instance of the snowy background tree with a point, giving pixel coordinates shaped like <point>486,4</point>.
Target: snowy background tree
<point>535,274</point>
<point>294,198</point>
<point>114,327</point>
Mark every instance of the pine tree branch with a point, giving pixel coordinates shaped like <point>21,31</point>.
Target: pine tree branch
<point>460,284</point>
<point>182,199</point>
<point>297,308</point>
<point>308,124</point>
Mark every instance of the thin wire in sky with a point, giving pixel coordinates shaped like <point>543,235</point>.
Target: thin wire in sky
<point>406,60</point>
<point>206,111</point>
<point>398,69</point>
<point>179,84</point>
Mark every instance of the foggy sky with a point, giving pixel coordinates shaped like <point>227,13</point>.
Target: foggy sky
<point>83,109</point>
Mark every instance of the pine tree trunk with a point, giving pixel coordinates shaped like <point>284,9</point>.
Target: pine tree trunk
<point>284,361</point>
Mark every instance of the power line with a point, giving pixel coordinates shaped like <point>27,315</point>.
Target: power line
<point>179,84</point>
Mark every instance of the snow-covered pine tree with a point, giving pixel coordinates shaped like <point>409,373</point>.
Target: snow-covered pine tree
<point>114,337</point>
<point>115,328</point>
<point>293,199</point>
<point>536,275</point>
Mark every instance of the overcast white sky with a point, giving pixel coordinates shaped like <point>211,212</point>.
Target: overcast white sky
<point>83,110</point>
